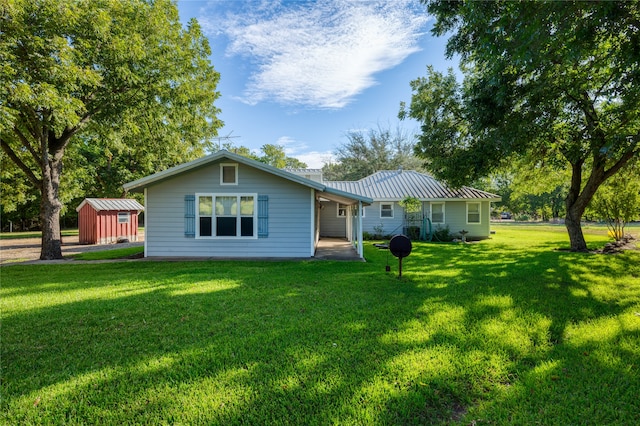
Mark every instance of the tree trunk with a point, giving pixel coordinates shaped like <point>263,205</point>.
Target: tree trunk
<point>574,228</point>
<point>576,203</point>
<point>50,207</point>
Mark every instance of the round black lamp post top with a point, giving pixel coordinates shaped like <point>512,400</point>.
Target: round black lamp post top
<point>400,246</point>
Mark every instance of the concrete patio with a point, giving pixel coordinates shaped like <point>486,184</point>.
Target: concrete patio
<point>336,249</point>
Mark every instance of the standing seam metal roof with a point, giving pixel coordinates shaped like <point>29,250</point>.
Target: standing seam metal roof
<point>109,204</point>
<point>397,184</point>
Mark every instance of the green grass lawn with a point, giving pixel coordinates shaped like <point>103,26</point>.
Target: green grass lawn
<point>34,234</point>
<point>504,331</point>
<point>111,253</point>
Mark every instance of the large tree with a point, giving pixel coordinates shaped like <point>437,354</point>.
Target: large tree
<point>556,83</point>
<point>367,152</point>
<point>78,71</point>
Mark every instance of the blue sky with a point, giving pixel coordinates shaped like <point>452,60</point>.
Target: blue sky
<point>302,74</point>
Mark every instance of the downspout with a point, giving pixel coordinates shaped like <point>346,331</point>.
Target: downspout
<point>360,236</point>
<point>146,223</point>
<point>313,223</point>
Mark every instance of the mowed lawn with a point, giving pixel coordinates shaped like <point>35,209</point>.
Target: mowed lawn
<point>505,331</point>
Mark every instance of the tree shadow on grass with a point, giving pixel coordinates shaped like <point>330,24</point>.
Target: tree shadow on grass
<point>519,311</point>
<point>467,333</point>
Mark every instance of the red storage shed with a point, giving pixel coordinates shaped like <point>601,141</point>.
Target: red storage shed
<point>105,220</point>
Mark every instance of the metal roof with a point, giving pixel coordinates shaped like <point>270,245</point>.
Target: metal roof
<point>111,204</point>
<point>397,184</point>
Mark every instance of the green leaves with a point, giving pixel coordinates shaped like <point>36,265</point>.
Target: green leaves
<point>551,82</point>
<point>366,153</point>
<point>123,75</point>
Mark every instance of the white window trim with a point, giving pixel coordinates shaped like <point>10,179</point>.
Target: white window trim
<point>479,222</point>
<point>124,214</point>
<point>213,216</point>
<point>344,207</point>
<point>444,215</point>
<point>392,210</point>
<point>222,166</point>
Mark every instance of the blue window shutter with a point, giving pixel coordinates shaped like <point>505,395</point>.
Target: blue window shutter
<point>263,216</point>
<point>190,216</point>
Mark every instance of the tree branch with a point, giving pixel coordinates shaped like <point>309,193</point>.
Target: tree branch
<point>18,162</point>
<point>621,162</point>
<point>27,144</point>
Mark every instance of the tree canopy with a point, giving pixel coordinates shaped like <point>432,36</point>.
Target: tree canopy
<point>110,84</point>
<point>273,155</point>
<point>553,83</point>
<point>368,152</point>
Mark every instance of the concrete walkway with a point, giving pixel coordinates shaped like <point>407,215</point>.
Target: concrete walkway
<point>336,249</point>
<point>23,252</point>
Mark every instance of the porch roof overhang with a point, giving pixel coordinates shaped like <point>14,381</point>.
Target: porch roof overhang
<point>342,197</point>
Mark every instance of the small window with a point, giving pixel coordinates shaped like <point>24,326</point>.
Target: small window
<point>228,174</point>
<point>473,212</point>
<point>386,210</point>
<point>342,210</point>
<point>124,217</point>
<point>437,212</point>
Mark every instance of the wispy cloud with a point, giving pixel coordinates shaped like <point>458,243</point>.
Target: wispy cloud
<point>315,159</point>
<point>300,150</point>
<point>316,54</point>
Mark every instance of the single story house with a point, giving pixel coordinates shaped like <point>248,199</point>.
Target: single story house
<point>107,220</point>
<point>228,206</point>
<point>464,209</point>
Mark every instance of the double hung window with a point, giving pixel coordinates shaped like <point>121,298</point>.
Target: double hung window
<point>473,212</point>
<point>386,210</point>
<point>437,212</point>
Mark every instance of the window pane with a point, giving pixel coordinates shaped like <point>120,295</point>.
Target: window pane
<point>205,226</point>
<point>205,206</point>
<point>246,206</point>
<point>226,206</point>
<point>246,226</point>
<point>226,226</point>
<point>123,217</point>
<point>437,213</point>
<point>228,174</point>
<point>473,213</point>
<point>386,210</point>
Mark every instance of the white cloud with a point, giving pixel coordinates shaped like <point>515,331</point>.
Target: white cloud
<point>299,149</point>
<point>315,159</point>
<point>318,54</point>
<point>291,146</point>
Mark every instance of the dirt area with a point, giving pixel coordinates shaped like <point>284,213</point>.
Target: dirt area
<point>28,249</point>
